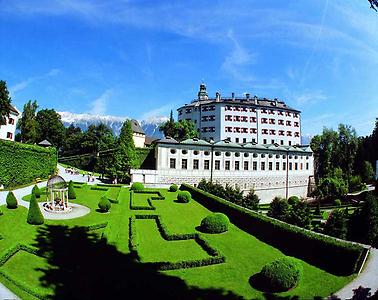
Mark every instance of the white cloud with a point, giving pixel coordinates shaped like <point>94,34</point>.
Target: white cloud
<point>25,83</point>
<point>309,97</point>
<point>99,105</point>
<point>158,112</point>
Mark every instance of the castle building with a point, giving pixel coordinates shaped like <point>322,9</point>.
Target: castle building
<point>7,131</point>
<point>249,143</point>
<point>243,120</point>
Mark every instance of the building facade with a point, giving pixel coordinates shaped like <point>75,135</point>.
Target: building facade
<point>271,170</point>
<point>8,131</point>
<point>243,120</point>
<point>139,137</point>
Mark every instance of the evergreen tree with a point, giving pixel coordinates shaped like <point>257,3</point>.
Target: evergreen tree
<point>300,214</point>
<point>5,103</point>
<point>337,224</point>
<point>251,201</point>
<point>169,127</point>
<point>367,172</point>
<point>279,209</point>
<point>28,123</point>
<point>11,200</point>
<point>125,156</point>
<point>71,190</point>
<point>35,216</point>
<point>36,191</point>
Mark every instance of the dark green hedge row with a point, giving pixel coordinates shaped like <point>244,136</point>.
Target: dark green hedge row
<point>109,185</point>
<point>140,207</point>
<point>22,163</point>
<point>96,226</point>
<point>159,197</point>
<point>12,251</point>
<point>113,200</point>
<point>99,188</point>
<point>215,256</point>
<point>335,256</point>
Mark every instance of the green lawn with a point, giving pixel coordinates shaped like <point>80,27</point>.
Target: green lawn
<point>75,253</point>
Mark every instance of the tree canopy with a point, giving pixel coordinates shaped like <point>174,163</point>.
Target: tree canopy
<point>50,127</point>
<point>28,124</point>
<point>5,103</point>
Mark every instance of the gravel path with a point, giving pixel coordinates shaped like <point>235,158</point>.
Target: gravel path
<point>368,278</point>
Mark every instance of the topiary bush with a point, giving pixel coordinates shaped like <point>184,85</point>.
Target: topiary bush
<point>11,201</point>
<point>173,188</point>
<point>337,202</point>
<point>215,223</point>
<point>137,186</point>
<point>184,196</point>
<point>282,274</point>
<point>293,200</point>
<point>71,190</point>
<point>35,216</point>
<point>104,204</point>
<point>36,191</point>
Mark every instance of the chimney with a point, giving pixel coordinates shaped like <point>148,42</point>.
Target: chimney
<point>247,96</point>
<point>233,96</point>
<point>275,101</point>
<point>217,96</point>
<point>255,100</point>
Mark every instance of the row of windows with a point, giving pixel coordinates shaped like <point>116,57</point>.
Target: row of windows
<point>263,131</point>
<point>237,165</point>
<point>264,111</point>
<point>237,154</point>
<point>208,129</point>
<point>208,118</point>
<point>208,108</point>
<point>254,120</point>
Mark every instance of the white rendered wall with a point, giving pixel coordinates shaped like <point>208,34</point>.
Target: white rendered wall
<point>139,140</point>
<point>4,129</point>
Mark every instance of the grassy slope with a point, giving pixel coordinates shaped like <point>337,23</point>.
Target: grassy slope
<point>244,253</point>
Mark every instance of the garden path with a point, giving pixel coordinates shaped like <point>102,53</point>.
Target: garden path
<point>368,278</point>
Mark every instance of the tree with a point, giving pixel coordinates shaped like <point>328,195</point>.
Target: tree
<point>125,156</point>
<point>28,124</point>
<point>251,201</point>
<point>50,127</point>
<point>367,173</point>
<point>300,214</point>
<point>169,127</point>
<point>332,187</point>
<point>5,103</point>
<point>279,209</point>
<point>337,224</point>
<point>35,216</point>
<point>373,4</point>
<point>11,200</point>
<point>71,190</point>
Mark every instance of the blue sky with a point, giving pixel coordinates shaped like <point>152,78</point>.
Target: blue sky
<point>142,58</point>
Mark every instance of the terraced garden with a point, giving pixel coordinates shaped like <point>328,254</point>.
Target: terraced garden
<point>147,245</point>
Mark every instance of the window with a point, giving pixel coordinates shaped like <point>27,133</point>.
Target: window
<point>254,165</point>
<point>11,121</point>
<point>236,140</point>
<point>284,166</point>
<point>280,122</point>
<point>172,163</point>
<point>262,166</point>
<point>195,152</point>
<point>306,166</point>
<point>10,135</point>
<point>207,153</point>
<point>173,151</point>
<point>184,164</point>
<point>184,151</point>
<point>237,165</point>
<point>217,165</point>
<point>288,133</point>
<point>296,166</point>
<point>228,118</point>
<point>289,143</point>
<point>252,119</point>
<point>253,130</point>
<point>290,166</point>
<point>188,110</point>
<point>296,124</point>
<point>237,154</point>
<point>227,165</point>
<point>253,140</point>
<point>206,164</point>
<point>272,141</point>
<point>244,140</point>
<point>228,154</point>
<point>246,165</point>
<point>277,166</point>
<point>272,131</point>
<point>264,121</point>
<point>288,123</point>
<point>264,141</point>
<point>217,153</point>
<point>272,121</point>
<point>180,112</point>
<point>281,142</point>
<point>270,166</point>
<point>195,164</point>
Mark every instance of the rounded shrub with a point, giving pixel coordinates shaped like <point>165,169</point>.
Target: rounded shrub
<point>71,190</point>
<point>36,191</point>
<point>104,204</point>
<point>35,216</point>
<point>337,202</point>
<point>293,200</point>
<point>137,186</point>
<point>173,188</point>
<point>11,201</point>
<point>184,196</point>
<point>215,223</point>
<point>281,274</point>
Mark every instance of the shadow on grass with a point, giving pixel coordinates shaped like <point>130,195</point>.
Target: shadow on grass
<point>82,266</point>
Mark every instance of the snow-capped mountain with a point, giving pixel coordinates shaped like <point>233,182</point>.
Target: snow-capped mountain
<point>83,121</point>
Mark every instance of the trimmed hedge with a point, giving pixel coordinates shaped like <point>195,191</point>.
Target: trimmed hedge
<point>282,274</point>
<point>35,216</point>
<point>26,163</point>
<point>36,191</point>
<point>335,256</point>
<point>104,204</point>
<point>173,188</point>
<point>184,196</point>
<point>292,200</point>
<point>215,256</point>
<point>215,223</point>
<point>98,188</point>
<point>140,207</point>
<point>11,201</point>
<point>137,186</point>
<point>71,191</point>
